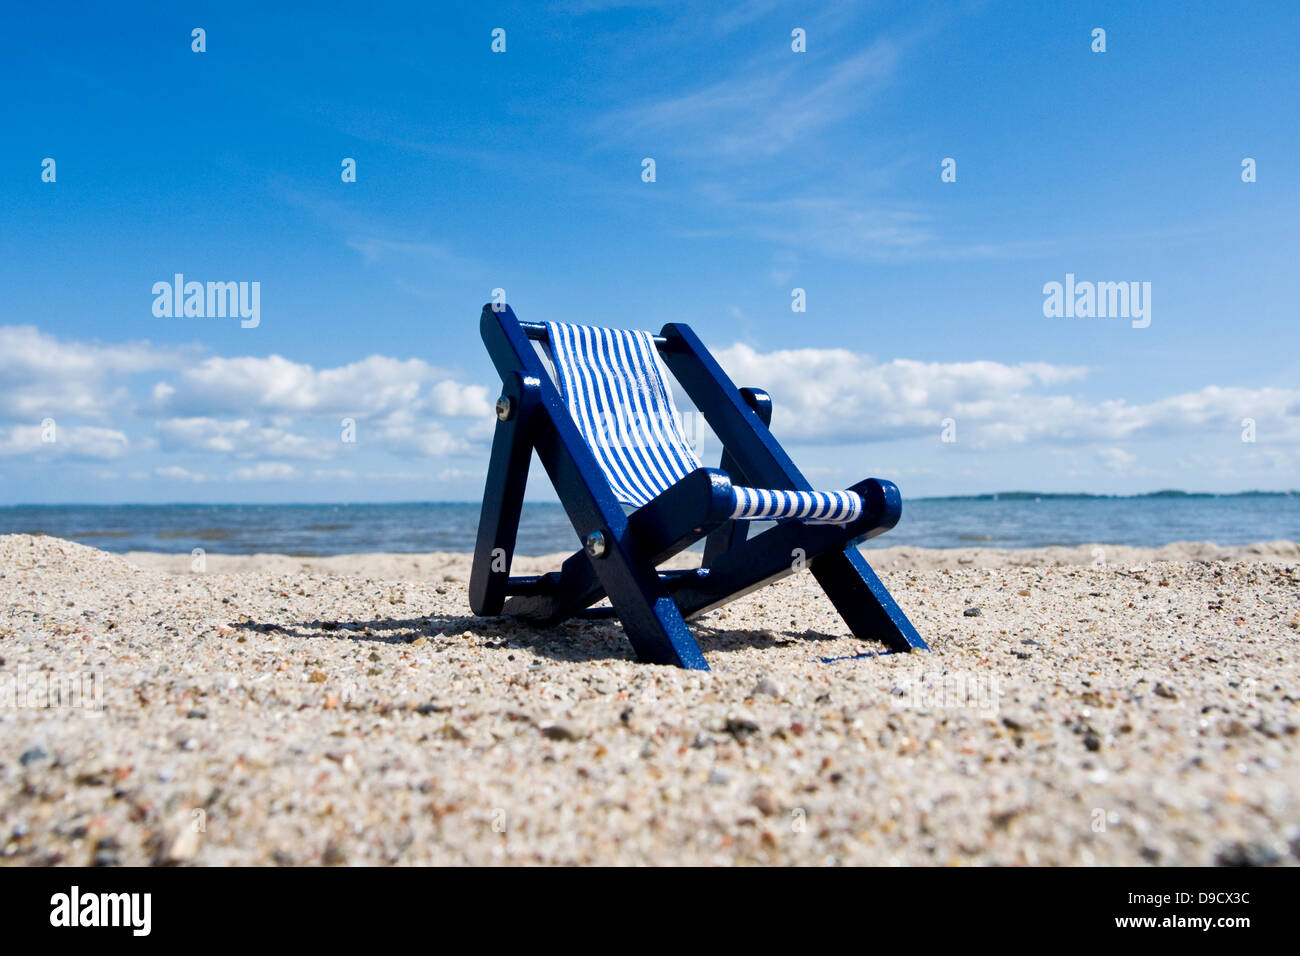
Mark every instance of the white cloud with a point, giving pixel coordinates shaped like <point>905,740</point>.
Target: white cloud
<point>242,437</point>
<point>265,471</point>
<point>247,418</point>
<point>455,400</point>
<point>1116,459</point>
<point>41,375</point>
<point>77,441</point>
<point>276,386</point>
<point>832,395</point>
<point>1251,466</point>
<point>405,431</point>
<point>177,473</point>
<point>240,406</point>
<point>334,474</point>
<point>462,474</point>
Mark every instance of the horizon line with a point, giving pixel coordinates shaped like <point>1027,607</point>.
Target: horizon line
<point>1011,495</point>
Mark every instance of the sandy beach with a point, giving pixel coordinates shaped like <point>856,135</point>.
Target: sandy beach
<point>1093,705</point>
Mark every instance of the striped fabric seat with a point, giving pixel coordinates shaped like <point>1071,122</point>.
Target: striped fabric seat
<point>616,389</point>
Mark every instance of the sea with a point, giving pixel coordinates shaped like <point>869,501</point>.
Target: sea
<point>1016,519</point>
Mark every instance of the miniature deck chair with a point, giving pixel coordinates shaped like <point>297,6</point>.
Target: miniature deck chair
<point>611,441</point>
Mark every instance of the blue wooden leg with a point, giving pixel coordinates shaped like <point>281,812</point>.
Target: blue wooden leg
<point>672,522</point>
<point>863,601</point>
<point>503,496</point>
<point>650,619</point>
<point>844,574</point>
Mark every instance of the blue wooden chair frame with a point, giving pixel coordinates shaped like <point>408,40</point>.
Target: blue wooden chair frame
<point>621,552</point>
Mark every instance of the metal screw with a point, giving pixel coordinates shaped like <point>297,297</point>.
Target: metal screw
<point>595,544</point>
<point>505,408</point>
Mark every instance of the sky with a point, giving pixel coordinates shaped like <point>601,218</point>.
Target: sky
<point>922,172</point>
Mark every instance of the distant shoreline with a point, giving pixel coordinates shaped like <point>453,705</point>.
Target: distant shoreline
<point>1170,493</point>
<point>1167,493</point>
<point>1013,520</point>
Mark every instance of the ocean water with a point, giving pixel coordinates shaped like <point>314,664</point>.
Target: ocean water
<point>1011,520</point>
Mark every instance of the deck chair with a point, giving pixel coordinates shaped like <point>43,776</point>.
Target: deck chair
<point>606,429</point>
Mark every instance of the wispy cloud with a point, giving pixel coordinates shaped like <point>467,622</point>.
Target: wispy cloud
<point>852,228</point>
<point>764,110</point>
<point>766,150</point>
<point>428,254</point>
<point>584,7</point>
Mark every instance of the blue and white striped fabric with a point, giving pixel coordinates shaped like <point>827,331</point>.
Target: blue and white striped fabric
<point>835,507</point>
<point>616,389</point>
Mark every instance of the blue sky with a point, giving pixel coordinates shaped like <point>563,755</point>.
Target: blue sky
<point>775,170</point>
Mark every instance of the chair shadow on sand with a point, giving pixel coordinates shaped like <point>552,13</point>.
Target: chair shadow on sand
<point>572,641</point>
